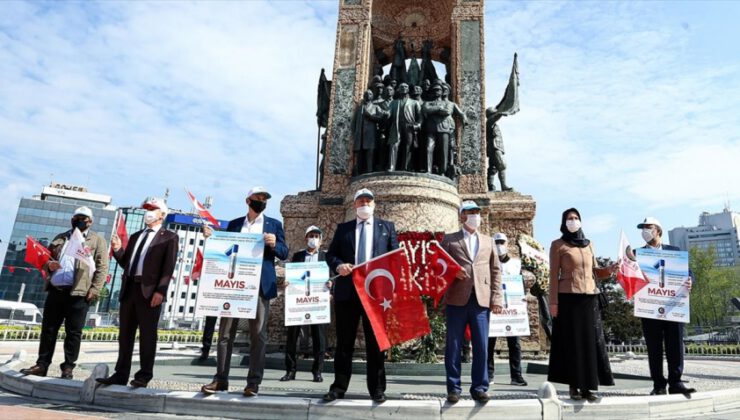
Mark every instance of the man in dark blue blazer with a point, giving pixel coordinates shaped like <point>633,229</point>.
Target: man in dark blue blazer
<point>355,242</point>
<point>254,222</point>
<point>660,332</point>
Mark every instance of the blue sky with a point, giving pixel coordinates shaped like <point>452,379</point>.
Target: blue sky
<point>628,109</point>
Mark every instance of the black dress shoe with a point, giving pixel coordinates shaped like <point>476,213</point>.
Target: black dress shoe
<point>288,377</point>
<point>36,370</point>
<point>379,397</point>
<point>67,373</point>
<point>589,396</point>
<point>519,381</point>
<point>333,395</point>
<point>111,380</point>
<point>453,397</point>
<point>317,377</point>
<point>480,396</point>
<point>203,355</point>
<point>138,383</point>
<point>214,387</point>
<point>251,390</point>
<point>680,388</point>
<point>658,391</point>
<point>574,394</point>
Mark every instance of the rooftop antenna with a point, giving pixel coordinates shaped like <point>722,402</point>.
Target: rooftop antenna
<point>166,194</point>
<point>727,203</point>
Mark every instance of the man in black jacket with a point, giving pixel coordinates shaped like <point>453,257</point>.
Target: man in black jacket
<point>354,243</point>
<point>312,253</point>
<point>148,262</point>
<point>659,332</point>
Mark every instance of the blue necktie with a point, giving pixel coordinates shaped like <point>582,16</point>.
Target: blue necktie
<point>361,244</point>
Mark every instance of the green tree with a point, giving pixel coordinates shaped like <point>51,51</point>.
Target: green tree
<point>713,288</point>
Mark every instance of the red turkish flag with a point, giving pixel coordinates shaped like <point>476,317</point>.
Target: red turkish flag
<point>392,301</point>
<point>197,267</point>
<point>202,211</point>
<point>444,268</point>
<point>629,276</point>
<point>120,232</point>
<point>36,254</point>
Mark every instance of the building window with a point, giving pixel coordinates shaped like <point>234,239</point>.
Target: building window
<point>192,241</point>
<point>181,310</point>
<point>192,296</point>
<point>182,295</point>
<point>191,310</point>
<point>201,242</point>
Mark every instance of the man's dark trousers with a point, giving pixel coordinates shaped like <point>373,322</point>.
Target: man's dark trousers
<point>60,307</point>
<point>664,335</point>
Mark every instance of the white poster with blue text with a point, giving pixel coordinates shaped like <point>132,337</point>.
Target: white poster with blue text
<point>307,297</point>
<point>230,281</point>
<point>513,320</point>
<point>666,297</point>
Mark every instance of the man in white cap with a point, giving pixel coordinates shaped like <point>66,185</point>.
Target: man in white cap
<point>470,300</point>
<point>148,262</point>
<point>312,253</point>
<point>272,232</point>
<point>70,290</point>
<point>509,266</point>
<point>663,334</point>
<point>354,243</point>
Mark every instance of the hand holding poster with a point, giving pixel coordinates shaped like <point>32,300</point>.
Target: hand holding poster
<point>666,297</point>
<point>514,319</point>
<point>230,278</point>
<point>306,296</point>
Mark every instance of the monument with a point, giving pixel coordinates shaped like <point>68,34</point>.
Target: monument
<point>421,157</point>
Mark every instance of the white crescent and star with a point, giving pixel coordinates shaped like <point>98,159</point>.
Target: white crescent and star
<point>380,272</point>
<point>443,263</point>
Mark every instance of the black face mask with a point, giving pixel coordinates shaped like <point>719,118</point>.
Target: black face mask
<point>80,224</point>
<point>257,206</point>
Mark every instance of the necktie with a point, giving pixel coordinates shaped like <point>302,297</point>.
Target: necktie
<point>137,255</point>
<point>361,244</point>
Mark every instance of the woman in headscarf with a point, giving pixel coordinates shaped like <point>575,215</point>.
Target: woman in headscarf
<point>577,353</point>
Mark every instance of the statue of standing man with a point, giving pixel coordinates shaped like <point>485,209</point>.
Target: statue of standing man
<point>405,122</point>
<point>366,132</point>
<point>509,105</point>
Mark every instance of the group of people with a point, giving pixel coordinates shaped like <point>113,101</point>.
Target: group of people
<point>406,128</point>
<point>578,356</point>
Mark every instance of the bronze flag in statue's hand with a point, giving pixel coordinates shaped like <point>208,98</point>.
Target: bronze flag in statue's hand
<point>509,104</point>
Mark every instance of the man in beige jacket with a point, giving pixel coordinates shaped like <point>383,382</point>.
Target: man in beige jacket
<point>70,289</point>
<point>469,299</point>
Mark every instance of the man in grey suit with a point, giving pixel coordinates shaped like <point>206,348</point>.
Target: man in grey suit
<point>469,299</point>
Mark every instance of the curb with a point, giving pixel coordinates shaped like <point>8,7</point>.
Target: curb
<point>545,407</point>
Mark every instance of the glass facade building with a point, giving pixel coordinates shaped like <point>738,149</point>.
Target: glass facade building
<point>43,217</point>
<point>134,217</point>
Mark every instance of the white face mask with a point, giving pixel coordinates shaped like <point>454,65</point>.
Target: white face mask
<point>573,225</point>
<point>501,250</point>
<point>473,221</point>
<point>365,212</point>
<point>313,243</point>
<point>648,235</point>
<point>151,216</point>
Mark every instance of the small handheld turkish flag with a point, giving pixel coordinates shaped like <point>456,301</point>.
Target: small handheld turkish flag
<point>391,301</point>
<point>629,276</point>
<point>197,266</point>
<point>37,255</point>
<point>202,211</point>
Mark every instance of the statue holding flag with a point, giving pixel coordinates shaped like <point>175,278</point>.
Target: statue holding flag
<point>509,105</point>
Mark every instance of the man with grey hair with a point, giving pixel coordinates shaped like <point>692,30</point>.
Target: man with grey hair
<point>71,288</point>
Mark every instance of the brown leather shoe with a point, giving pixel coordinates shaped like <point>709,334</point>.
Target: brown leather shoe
<point>138,383</point>
<point>36,370</point>
<point>251,390</point>
<point>214,387</point>
<point>67,373</point>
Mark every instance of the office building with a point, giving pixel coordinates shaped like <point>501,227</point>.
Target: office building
<point>716,230</point>
<point>43,217</point>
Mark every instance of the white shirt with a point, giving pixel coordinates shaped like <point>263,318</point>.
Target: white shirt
<point>471,241</point>
<point>65,275</point>
<point>253,227</point>
<point>139,267</point>
<point>512,267</point>
<point>312,256</point>
<point>368,237</point>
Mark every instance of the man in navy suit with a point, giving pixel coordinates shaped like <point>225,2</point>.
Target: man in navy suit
<point>254,222</point>
<point>312,253</point>
<point>658,332</point>
<point>355,242</point>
